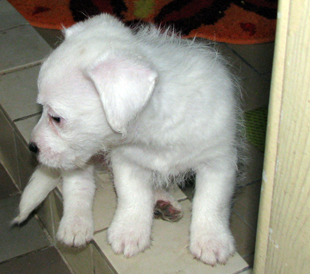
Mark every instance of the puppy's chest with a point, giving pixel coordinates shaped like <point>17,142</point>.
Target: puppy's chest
<point>167,160</point>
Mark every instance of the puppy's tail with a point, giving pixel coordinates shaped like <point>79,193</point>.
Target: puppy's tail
<point>41,183</point>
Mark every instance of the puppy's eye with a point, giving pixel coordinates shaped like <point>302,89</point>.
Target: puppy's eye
<point>56,119</point>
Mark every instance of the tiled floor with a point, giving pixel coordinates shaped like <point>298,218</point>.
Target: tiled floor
<point>28,248</point>
<point>25,249</point>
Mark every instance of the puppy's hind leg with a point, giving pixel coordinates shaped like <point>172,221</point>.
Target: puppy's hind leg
<point>41,183</point>
<point>166,207</point>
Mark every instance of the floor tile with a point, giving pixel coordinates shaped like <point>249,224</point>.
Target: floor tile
<point>52,36</point>
<point>177,193</point>
<point>7,187</point>
<point>56,211</point>
<point>20,47</point>
<point>45,213</point>
<point>27,161</point>
<point>250,260</point>
<point>101,263</point>
<point>169,252</point>
<point>9,16</point>
<point>246,204</point>
<point>26,126</point>
<point>253,166</point>
<point>267,77</point>
<point>19,92</point>
<point>50,213</point>
<point>259,56</point>
<point>47,261</point>
<point>244,236</point>
<point>238,67</point>
<point>8,148</point>
<point>247,271</point>
<point>255,93</point>
<point>20,239</point>
<point>105,201</point>
<point>80,259</point>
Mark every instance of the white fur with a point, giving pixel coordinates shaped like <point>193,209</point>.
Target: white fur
<point>160,106</point>
<point>76,226</point>
<point>41,183</point>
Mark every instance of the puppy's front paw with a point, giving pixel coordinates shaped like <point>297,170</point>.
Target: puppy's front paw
<point>212,248</point>
<point>75,231</point>
<point>129,238</point>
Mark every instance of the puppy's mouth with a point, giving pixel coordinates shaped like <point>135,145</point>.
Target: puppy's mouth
<point>55,160</point>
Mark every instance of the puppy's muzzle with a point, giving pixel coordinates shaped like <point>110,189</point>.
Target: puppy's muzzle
<point>33,148</point>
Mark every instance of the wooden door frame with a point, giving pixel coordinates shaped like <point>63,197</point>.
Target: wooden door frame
<point>283,235</point>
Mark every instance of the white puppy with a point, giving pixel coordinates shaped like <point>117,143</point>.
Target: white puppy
<point>159,106</point>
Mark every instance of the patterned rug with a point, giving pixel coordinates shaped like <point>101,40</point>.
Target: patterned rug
<point>231,21</point>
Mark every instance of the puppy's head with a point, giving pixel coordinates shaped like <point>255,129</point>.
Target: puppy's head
<point>89,95</point>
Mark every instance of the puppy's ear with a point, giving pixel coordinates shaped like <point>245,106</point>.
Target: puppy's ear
<point>67,32</point>
<point>125,86</point>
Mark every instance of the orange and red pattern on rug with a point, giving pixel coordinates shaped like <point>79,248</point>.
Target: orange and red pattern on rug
<point>231,21</point>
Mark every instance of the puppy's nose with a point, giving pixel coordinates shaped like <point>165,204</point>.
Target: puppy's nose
<point>33,147</point>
